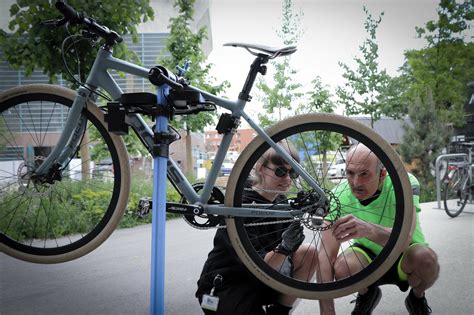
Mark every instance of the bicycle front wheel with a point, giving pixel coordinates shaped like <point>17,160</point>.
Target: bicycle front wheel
<point>321,141</point>
<point>455,197</point>
<point>68,213</point>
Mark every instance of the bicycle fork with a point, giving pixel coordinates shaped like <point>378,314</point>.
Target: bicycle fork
<point>69,140</point>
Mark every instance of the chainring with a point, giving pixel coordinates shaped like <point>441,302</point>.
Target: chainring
<point>205,221</point>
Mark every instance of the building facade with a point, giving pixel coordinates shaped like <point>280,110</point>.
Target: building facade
<point>240,140</point>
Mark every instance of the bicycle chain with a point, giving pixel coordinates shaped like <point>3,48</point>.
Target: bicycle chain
<point>248,224</point>
<point>267,223</point>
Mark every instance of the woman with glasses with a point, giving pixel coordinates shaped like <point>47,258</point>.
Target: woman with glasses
<point>225,285</point>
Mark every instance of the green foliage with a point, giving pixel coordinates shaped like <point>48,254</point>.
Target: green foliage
<point>428,191</point>
<point>72,208</point>
<point>446,64</point>
<point>282,95</point>
<point>32,45</point>
<point>184,45</point>
<point>290,31</point>
<point>144,188</point>
<point>320,99</point>
<point>423,141</point>
<point>367,88</point>
<point>99,150</point>
<point>451,24</point>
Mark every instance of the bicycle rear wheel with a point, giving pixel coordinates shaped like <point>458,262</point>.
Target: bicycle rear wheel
<point>67,217</point>
<point>320,140</point>
<point>455,197</point>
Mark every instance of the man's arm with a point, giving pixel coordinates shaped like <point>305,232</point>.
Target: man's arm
<point>350,227</point>
<point>325,272</point>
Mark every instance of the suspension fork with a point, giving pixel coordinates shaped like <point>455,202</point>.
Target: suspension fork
<point>71,135</point>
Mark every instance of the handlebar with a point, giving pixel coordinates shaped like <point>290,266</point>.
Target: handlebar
<point>157,75</point>
<point>72,16</point>
<point>69,12</point>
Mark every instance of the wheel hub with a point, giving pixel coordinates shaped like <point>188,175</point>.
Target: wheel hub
<point>315,216</point>
<point>36,185</point>
<point>27,183</point>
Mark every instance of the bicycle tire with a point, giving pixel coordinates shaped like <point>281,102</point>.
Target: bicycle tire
<point>334,124</point>
<point>455,198</point>
<point>66,219</point>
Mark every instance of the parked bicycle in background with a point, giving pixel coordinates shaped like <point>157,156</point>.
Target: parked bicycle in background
<point>459,188</point>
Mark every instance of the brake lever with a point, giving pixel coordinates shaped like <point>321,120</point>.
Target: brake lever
<point>54,23</point>
<point>89,35</point>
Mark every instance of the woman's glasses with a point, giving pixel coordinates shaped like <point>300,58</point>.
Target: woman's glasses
<point>281,171</point>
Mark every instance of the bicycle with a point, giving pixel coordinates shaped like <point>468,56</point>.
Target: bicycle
<point>47,193</point>
<point>459,187</point>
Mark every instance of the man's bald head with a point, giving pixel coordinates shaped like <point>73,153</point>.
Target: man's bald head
<point>361,155</point>
<point>364,171</point>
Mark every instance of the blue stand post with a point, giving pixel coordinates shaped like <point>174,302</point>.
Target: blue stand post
<point>157,293</point>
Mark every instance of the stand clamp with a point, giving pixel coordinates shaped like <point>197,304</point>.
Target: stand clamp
<point>161,143</point>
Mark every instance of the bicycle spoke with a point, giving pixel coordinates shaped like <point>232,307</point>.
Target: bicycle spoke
<point>49,214</point>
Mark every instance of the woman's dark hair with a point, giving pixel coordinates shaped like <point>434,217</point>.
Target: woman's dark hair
<point>272,156</point>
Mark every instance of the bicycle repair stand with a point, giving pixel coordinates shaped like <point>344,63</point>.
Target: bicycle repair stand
<point>161,138</point>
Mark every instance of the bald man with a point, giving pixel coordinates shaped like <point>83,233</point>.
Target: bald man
<point>363,197</point>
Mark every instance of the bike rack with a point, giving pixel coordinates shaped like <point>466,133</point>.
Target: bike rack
<point>438,179</point>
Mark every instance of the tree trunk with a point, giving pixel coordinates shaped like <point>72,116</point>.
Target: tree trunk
<point>189,155</point>
<point>85,156</point>
<point>325,164</point>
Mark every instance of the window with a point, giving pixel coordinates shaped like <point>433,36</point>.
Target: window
<point>11,154</point>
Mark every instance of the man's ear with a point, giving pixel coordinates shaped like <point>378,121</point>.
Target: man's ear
<point>383,173</point>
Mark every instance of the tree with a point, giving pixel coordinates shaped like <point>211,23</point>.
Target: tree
<point>32,45</point>
<point>445,65</point>
<point>368,88</point>
<point>183,45</point>
<point>320,100</point>
<point>422,140</point>
<point>283,94</point>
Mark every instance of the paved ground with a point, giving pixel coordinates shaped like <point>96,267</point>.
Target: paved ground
<point>114,279</point>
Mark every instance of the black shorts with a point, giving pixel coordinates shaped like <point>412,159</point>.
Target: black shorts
<point>391,276</point>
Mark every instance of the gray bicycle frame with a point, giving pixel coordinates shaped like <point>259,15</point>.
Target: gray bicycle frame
<point>99,77</point>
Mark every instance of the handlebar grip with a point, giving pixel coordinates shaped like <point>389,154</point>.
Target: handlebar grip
<point>69,12</point>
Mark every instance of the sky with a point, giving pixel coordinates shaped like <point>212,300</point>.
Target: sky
<point>333,31</point>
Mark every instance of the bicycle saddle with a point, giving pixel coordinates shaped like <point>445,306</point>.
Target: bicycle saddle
<point>272,52</point>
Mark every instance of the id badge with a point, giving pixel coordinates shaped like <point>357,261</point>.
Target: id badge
<point>210,302</point>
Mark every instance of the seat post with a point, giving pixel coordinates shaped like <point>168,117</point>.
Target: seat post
<point>258,66</point>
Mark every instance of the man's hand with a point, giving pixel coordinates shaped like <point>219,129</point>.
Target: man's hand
<point>292,238</point>
<point>350,227</point>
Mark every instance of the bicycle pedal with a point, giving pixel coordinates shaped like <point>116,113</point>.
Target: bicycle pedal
<point>144,206</point>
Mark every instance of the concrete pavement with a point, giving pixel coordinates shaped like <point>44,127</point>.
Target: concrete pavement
<point>115,278</point>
